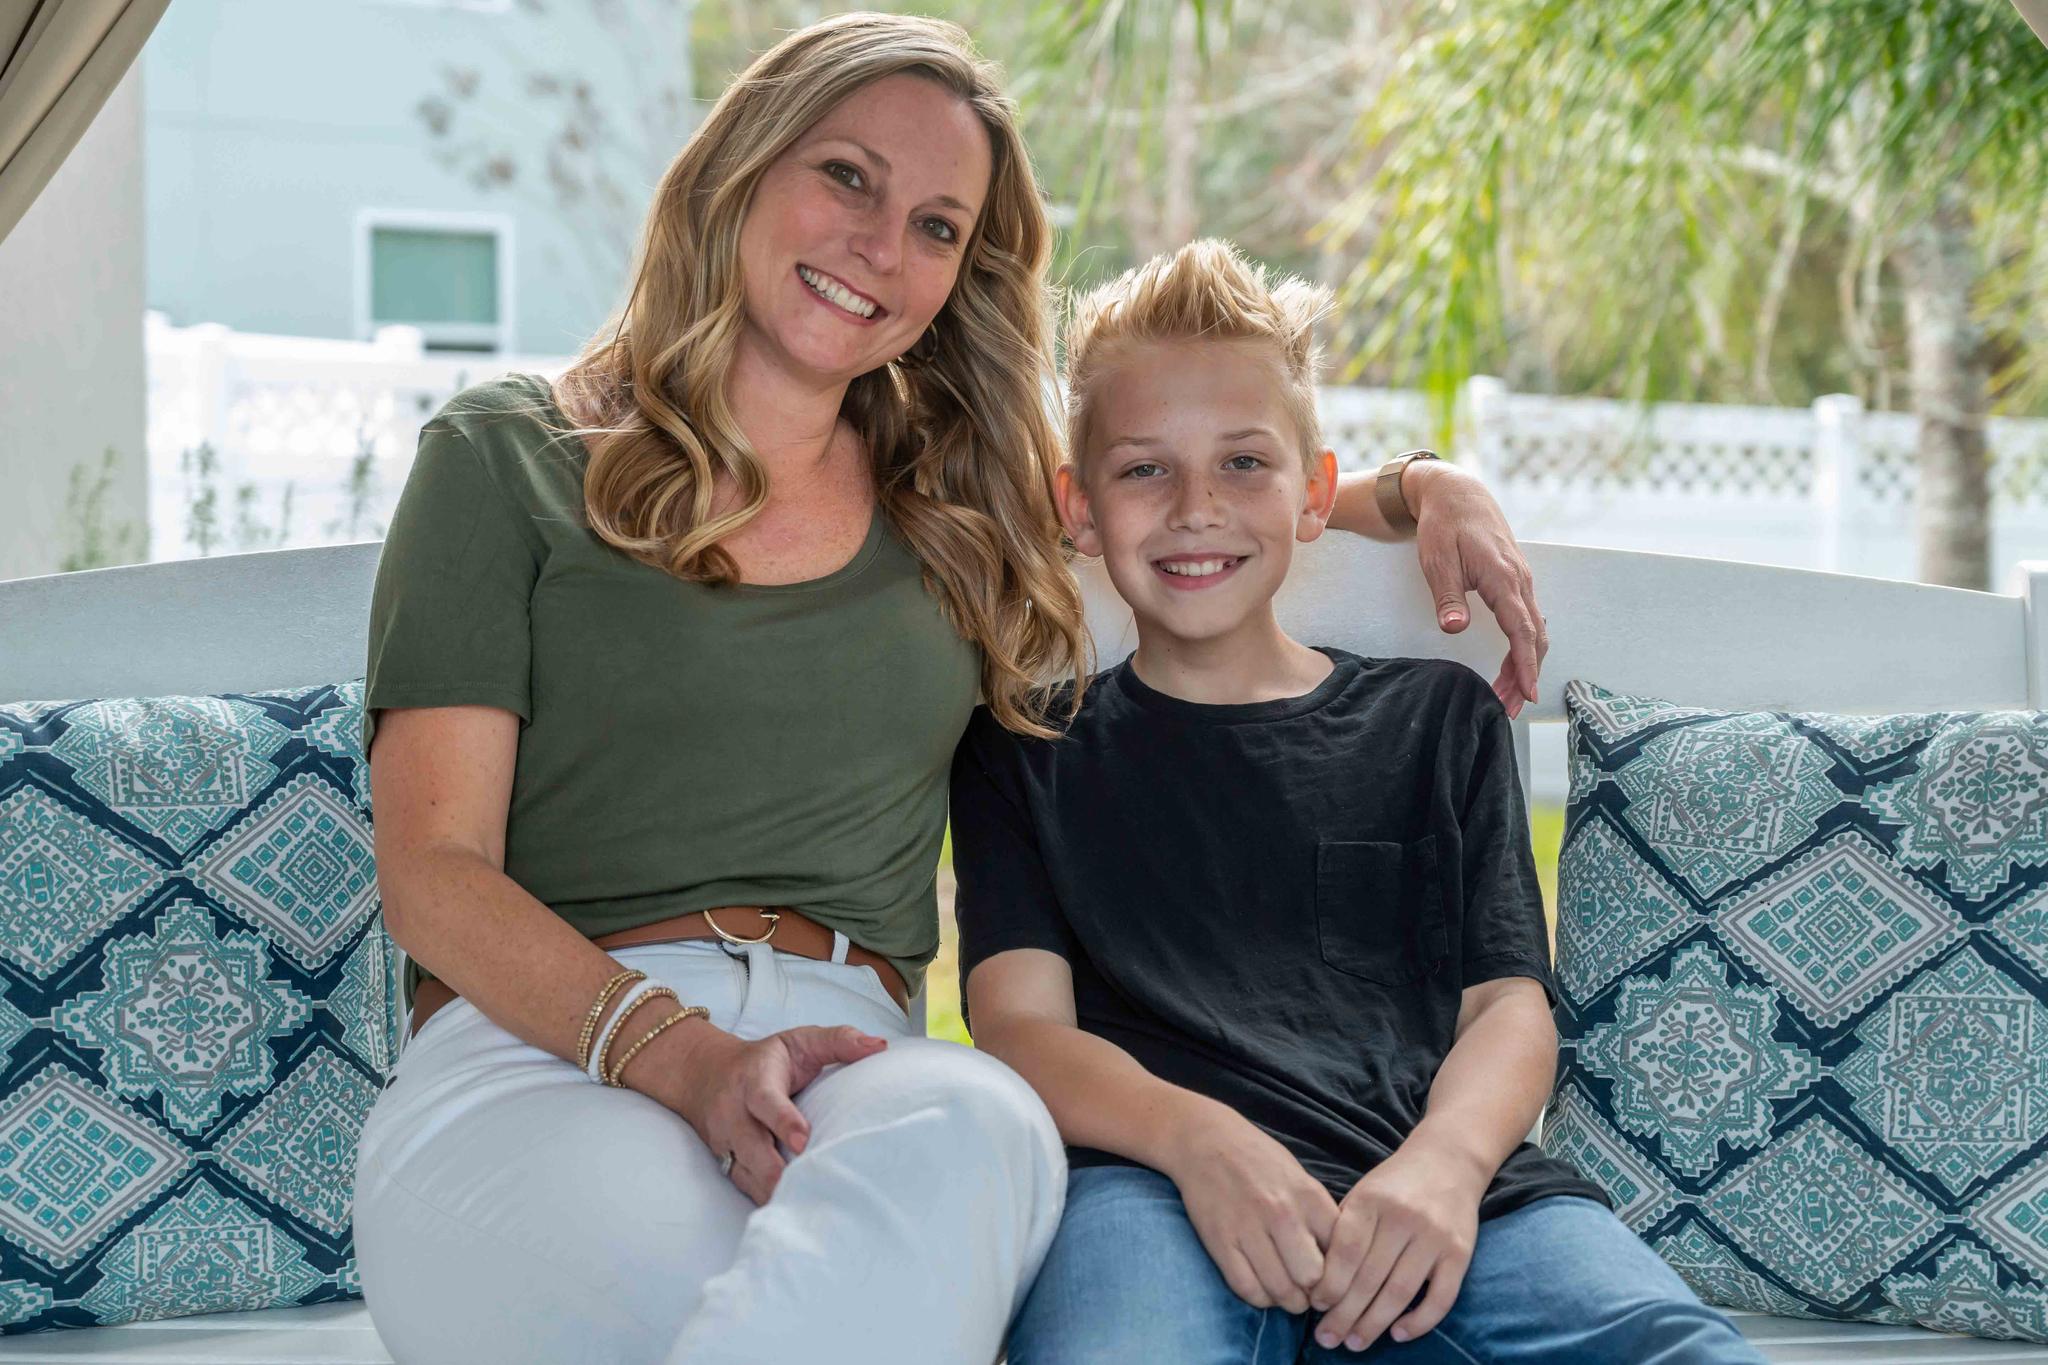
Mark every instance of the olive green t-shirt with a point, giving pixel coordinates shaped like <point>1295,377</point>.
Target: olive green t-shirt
<point>682,746</point>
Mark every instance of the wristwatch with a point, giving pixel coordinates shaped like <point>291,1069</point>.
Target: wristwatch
<point>1386,489</point>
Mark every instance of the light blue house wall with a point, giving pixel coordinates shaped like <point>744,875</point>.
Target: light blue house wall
<point>272,128</point>
<point>71,357</point>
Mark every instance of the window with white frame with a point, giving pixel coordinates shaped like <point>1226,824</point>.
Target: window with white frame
<point>447,274</point>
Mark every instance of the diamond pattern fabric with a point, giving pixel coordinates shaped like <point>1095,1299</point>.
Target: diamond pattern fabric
<point>198,1003</point>
<point>1804,1020</point>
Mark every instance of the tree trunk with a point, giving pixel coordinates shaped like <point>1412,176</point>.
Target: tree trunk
<point>1160,212</point>
<point>1181,140</point>
<point>1937,263</point>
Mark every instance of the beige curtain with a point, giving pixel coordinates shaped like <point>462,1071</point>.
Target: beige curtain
<point>2035,12</point>
<point>59,60</point>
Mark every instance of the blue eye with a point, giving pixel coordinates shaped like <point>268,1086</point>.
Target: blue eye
<point>941,229</point>
<point>1133,470</point>
<point>1256,462</point>
<point>852,179</point>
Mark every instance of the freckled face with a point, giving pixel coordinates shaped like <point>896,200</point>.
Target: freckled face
<point>855,235</point>
<point>1192,489</point>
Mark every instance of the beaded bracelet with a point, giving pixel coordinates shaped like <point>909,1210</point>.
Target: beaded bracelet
<point>639,990</point>
<point>687,1012</point>
<point>596,1009</point>
<point>604,1067</point>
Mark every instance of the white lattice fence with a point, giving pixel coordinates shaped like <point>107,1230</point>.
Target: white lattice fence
<point>332,424</point>
<point>1555,444</point>
<point>1827,486</point>
<point>1365,426</point>
<point>2019,458</point>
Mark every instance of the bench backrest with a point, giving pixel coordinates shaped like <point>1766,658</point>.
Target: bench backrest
<point>1703,632</point>
<point>237,623</point>
<point>1700,631</point>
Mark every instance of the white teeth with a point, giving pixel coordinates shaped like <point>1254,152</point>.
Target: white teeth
<point>1196,568</point>
<point>830,289</point>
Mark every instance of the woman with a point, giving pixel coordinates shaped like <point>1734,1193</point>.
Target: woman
<point>672,661</point>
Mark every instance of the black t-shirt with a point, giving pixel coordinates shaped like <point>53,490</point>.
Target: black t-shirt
<point>1274,904</point>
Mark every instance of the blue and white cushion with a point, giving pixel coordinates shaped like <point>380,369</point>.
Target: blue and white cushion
<point>198,1003</point>
<point>1804,1023</point>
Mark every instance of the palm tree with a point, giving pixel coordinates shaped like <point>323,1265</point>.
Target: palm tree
<point>1636,187</point>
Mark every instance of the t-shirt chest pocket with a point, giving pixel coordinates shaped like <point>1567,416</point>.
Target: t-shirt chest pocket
<point>1380,910</point>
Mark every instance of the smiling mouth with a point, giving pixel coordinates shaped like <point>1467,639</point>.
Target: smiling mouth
<point>1197,573</point>
<point>838,295</point>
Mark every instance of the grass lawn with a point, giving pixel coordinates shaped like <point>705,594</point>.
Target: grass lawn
<point>942,983</point>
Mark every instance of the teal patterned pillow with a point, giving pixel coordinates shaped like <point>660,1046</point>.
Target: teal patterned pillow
<point>1803,962</point>
<point>198,1003</point>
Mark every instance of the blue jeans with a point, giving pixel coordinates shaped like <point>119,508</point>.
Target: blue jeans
<point>1559,1281</point>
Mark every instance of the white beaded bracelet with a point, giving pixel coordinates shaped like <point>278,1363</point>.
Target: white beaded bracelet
<point>625,1003</point>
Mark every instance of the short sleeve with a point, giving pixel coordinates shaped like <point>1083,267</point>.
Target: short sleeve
<point>1004,897</point>
<point>1504,930</point>
<point>449,621</point>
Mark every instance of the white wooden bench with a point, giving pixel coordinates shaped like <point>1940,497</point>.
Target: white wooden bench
<point>1695,630</point>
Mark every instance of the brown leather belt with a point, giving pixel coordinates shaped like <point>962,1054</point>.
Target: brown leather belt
<point>791,933</point>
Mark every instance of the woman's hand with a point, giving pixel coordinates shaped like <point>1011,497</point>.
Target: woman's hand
<point>1414,1218</point>
<point>1465,546</point>
<point>1261,1217</point>
<point>739,1095</point>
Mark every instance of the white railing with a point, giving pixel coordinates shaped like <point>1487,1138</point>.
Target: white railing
<point>331,424</point>
<point>1824,487</point>
<point>1829,486</point>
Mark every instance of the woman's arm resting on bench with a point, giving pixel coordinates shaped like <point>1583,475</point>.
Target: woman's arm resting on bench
<point>1465,545</point>
<point>1261,1217</point>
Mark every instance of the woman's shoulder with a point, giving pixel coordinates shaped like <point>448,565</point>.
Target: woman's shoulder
<point>514,400</point>
<point>513,422</point>
<point>516,438</point>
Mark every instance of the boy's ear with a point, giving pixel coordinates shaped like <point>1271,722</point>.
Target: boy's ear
<point>1075,515</point>
<point>1320,499</point>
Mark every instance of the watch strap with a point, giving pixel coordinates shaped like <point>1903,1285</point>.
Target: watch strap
<point>1393,504</point>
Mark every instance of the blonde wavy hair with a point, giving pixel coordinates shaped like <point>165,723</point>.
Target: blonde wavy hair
<point>961,434</point>
<point>1208,290</point>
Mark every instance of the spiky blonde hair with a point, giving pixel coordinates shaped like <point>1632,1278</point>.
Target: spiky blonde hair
<point>1208,290</point>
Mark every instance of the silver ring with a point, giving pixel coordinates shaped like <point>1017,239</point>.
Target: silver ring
<point>725,1164</point>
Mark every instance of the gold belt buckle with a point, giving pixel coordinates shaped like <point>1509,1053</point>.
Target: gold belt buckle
<point>770,915</point>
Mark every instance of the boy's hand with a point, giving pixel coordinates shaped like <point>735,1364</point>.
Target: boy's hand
<point>1413,1218</point>
<point>1261,1217</point>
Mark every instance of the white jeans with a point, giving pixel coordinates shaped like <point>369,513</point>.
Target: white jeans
<point>509,1210</point>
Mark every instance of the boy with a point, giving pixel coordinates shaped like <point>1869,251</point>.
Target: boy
<point>1263,928</point>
